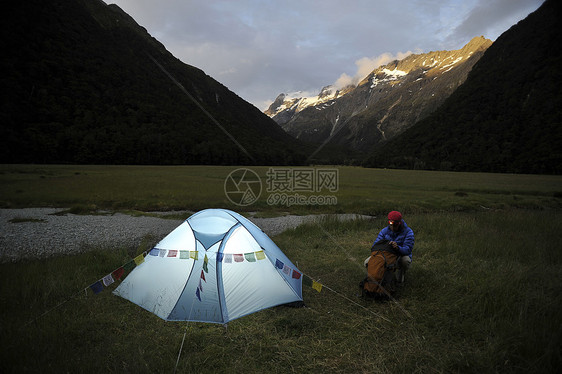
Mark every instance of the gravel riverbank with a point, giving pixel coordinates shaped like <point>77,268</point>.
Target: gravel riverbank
<point>38,233</point>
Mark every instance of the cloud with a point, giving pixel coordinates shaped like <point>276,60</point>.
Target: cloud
<point>491,19</point>
<point>260,48</point>
<point>343,81</point>
<point>366,65</point>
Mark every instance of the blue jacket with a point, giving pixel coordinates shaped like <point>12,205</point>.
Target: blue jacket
<point>404,238</point>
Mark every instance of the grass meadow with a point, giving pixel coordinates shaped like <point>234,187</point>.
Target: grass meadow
<point>483,293</point>
<point>358,190</point>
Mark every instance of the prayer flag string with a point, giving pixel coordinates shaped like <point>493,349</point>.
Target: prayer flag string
<point>228,258</point>
<point>98,285</point>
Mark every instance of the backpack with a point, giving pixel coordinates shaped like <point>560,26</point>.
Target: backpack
<point>380,282</point>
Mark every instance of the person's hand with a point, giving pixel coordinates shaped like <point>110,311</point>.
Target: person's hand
<point>393,244</point>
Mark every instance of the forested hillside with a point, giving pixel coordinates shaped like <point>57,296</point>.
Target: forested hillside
<point>79,86</point>
<point>506,117</point>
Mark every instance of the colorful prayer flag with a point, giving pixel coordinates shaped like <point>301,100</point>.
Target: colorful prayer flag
<point>296,274</point>
<point>172,253</point>
<point>220,256</point>
<point>317,286</point>
<point>194,255</point>
<point>205,261</point>
<point>200,285</point>
<point>228,258</point>
<point>130,265</point>
<point>238,257</point>
<point>107,280</point>
<point>184,255</point>
<point>250,257</point>
<point>307,281</point>
<point>198,294</point>
<point>286,270</point>
<point>260,255</point>
<point>139,259</point>
<point>97,287</point>
<point>279,264</point>
<point>154,252</point>
<point>117,274</point>
<point>163,252</point>
<point>203,275</point>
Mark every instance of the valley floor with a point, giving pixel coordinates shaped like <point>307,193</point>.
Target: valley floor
<point>43,232</point>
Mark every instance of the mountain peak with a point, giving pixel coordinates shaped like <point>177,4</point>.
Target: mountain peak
<point>431,64</point>
<point>508,107</point>
<point>286,105</point>
<point>477,43</point>
<point>385,103</point>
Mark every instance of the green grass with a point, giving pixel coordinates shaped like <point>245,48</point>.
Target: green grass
<point>365,191</point>
<point>483,295</point>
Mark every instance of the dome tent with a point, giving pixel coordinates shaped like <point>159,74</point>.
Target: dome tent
<point>215,267</point>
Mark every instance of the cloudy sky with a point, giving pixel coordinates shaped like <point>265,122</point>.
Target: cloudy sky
<point>260,48</point>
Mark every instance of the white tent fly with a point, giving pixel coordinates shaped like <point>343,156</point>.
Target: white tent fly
<point>215,267</point>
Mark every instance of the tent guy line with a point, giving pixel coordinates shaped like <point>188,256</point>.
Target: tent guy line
<point>182,88</point>
<point>355,261</point>
<point>95,287</point>
<point>286,269</point>
<point>181,347</point>
<point>217,123</point>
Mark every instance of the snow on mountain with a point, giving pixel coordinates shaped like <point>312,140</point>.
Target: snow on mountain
<point>432,64</point>
<point>388,75</point>
<point>386,102</point>
<point>296,102</point>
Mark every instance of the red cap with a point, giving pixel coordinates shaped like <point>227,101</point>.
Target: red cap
<point>394,216</point>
